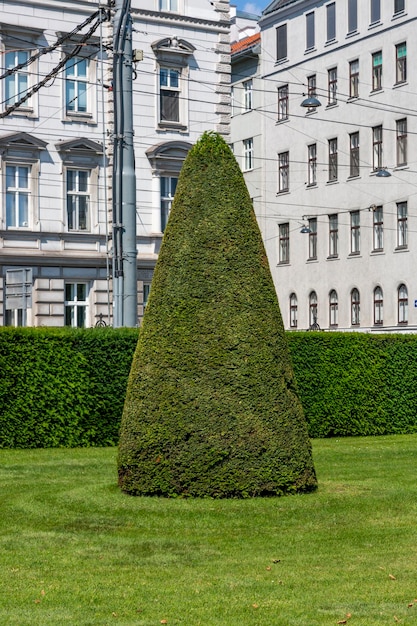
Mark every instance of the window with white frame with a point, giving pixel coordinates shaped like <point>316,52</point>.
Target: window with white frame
<point>248,95</point>
<point>76,86</point>
<point>17,196</point>
<point>378,228</point>
<point>284,243</point>
<point>354,154</point>
<point>355,307</point>
<point>232,101</point>
<point>352,16</point>
<point>355,232</point>
<point>19,67</point>
<point>311,90</point>
<point>283,172</point>
<point>377,71</point>
<point>312,164</point>
<point>402,225</point>
<point>375,11</point>
<point>332,86</point>
<point>168,5</point>
<point>377,148</point>
<point>401,63</point>
<point>312,238</point>
<point>78,199</point>
<point>354,79</point>
<point>333,235</point>
<point>333,308</point>
<point>146,292</point>
<point>378,306</point>
<point>313,309</point>
<point>333,160</point>
<point>401,137</point>
<point>18,296</point>
<point>310,31</point>
<point>248,154</point>
<point>17,80</point>
<point>76,304</point>
<point>402,304</point>
<point>283,97</point>
<point>293,311</point>
<point>399,6</point>
<point>331,21</point>
<point>281,33</point>
<point>169,94</point>
<point>168,188</point>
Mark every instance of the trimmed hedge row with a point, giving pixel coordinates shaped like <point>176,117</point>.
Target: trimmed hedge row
<point>66,388</point>
<point>63,387</point>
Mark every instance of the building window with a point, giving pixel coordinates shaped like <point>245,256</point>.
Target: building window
<point>283,103</point>
<point>78,199</point>
<point>401,63</point>
<point>354,79</point>
<point>284,243</point>
<point>146,292</point>
<point>313,310</point>
<point>281,42</point>
<point>312,164</point>
<point>402,304</point>
<point>377,71</point>
<point>248,95</point>
<point>168,187</point>
<point>333,235</point>
<point>332,86</point>
<point>76,305</point>
<point>331,21</point>
<point>333,308</point>
<point>76,85</point>
<point>168,5</point>
<point>354,154</point>
<point>18,296</point>
<point>401,127</point>
<point>333,166</point>
<point>355,232</point>
<point>352,16</point>
<point>283,171</point>
<point>312,238</point>
<point>310,40</point>
<point>248,154</point>
<point>375,11</point>
<point>355,307</point>
<point>399,6</point>
<point>311,89</point>
<point>402,225</point>
<point>17,196</point>
<point>17,83</point>
<point>378,228</point>
<point>378,306</point>
<point>293,311</point>
<point>169,94</point>
<point>377,148</point>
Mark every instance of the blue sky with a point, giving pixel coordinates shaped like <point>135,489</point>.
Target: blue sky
<point>250,7</point>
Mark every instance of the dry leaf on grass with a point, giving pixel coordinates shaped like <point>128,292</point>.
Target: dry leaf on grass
<point>392,577</point>
<point>255,606</point>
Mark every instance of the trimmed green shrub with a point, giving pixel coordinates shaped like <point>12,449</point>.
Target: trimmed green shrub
<point>211,406</point>
<point>62,387</point>
<point>356,383</point>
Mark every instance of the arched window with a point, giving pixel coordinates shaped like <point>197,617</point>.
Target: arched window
<point>293,311</point>
<point>378,306</point>
<point>313,310</point>
<point>355,307</point>
<point>333,308</point>
<point>402,304</point>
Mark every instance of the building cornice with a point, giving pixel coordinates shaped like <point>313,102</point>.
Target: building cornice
<point>174,19</point>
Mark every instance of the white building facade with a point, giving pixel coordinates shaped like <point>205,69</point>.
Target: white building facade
<point>319,168</point>
<point>56,143</point>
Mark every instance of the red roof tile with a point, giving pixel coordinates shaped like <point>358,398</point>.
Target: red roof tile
<point>246,43</point>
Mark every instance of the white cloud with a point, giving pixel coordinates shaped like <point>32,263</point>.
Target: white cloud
<point>251,7</point>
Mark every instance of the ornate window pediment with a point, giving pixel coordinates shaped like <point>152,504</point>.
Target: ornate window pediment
<point>168,156</point>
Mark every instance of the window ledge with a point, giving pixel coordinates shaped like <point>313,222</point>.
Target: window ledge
<point>330,42</point>
<point>332,105</point>
<point>374,92</point>
<point>354,255</point>
<point>377,252</point>
<point>332,182</point>
<point>283,192</point>
<point>402,249</point>
<point>285,119</point>
<point>375,24</point>
<point>353,177</point>
<point>332,257</point>
<point>400,84</point>
<point>171,126</point>
<point>352,33</point>
<point>311,185</point>
<point>81,118</point>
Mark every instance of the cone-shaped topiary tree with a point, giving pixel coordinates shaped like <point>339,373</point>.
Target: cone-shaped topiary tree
<point>211,406</point>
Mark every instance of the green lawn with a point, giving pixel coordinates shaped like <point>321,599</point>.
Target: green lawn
<point>74,550</point>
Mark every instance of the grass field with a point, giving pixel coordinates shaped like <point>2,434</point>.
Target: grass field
<point>74,550</point>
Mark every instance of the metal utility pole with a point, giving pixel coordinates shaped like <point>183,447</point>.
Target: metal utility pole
<point>124,179</point>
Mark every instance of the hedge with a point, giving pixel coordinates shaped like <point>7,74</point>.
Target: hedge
<point>63,387</point>
<point>212,407</point>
